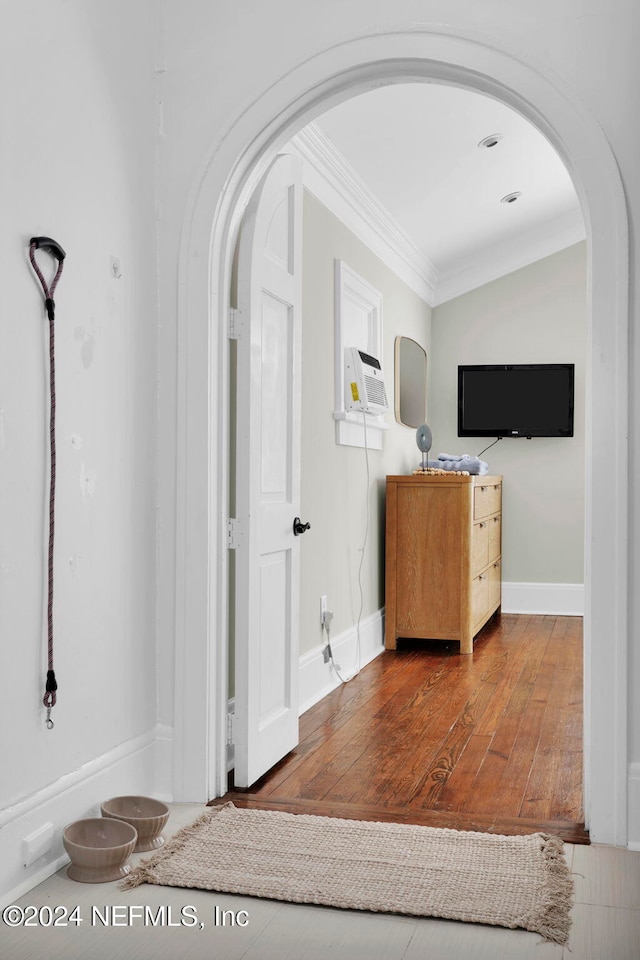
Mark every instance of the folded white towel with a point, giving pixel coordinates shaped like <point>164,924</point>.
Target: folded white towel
<point>465,463</point>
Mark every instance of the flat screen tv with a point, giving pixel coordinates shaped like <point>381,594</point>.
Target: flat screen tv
<point>516,400</point>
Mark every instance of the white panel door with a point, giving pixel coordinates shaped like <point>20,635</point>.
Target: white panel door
<point>268,473</point>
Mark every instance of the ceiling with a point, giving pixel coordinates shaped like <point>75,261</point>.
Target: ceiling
<point>415,148</point>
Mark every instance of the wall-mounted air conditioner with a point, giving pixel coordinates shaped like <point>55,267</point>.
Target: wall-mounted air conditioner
<point>364,388</point>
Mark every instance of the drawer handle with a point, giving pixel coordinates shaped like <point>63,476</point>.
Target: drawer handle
<point>482,525</point>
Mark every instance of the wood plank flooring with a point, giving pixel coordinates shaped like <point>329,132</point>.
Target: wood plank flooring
<point>489,742</point>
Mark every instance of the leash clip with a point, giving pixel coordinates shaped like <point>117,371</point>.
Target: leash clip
<point>50,723</point>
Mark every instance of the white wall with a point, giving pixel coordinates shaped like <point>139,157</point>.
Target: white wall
<point>334,480</point>
<point>77,164</point>
<point>534,315</point>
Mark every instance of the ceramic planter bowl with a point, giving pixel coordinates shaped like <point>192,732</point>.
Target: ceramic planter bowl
<point>99,849</point>
<point>148,816</point>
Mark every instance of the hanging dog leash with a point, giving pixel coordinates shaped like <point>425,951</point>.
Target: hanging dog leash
<point>46,243</point>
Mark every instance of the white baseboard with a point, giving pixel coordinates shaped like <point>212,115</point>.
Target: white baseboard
<point>141,765</point>
<point>318,678</point>
<point>559,599</point>
<point>633,799</point>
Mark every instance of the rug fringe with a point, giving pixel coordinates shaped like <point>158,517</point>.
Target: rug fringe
<point>143,873</point>
<point>554,920</point>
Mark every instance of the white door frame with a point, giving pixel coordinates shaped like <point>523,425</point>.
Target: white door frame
<point>228,176</point>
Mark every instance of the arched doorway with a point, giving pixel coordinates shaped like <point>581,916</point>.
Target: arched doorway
<point>228,177</point>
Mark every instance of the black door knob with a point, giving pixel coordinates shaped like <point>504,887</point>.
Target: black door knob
<point>300,527</point>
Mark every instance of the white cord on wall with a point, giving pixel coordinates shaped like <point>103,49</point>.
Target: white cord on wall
<point>328,616</point>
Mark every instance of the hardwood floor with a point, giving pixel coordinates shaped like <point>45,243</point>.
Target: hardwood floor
<point>489,742</point>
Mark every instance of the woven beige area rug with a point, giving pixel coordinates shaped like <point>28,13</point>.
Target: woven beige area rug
<point>385,867</point>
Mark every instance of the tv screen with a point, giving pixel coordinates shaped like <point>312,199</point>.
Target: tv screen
<point>516,400</point>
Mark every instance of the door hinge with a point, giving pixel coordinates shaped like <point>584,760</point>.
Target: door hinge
<point>231,729</point>
<point>236,324</point>
<point>233,533</point>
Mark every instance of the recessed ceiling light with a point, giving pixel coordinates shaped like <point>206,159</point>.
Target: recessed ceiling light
<point>511,197</point>
<point>491,141</point>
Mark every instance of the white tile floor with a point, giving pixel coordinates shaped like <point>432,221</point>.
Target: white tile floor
<point>606,923</point>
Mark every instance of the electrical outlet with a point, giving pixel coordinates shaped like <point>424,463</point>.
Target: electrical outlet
<point>323,608</point>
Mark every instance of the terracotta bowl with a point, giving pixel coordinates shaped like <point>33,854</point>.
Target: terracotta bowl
<point>148,816</point>
<point>99,849</point>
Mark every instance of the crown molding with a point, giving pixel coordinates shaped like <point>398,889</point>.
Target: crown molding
<point>503,258</point>
<point>333,181</point>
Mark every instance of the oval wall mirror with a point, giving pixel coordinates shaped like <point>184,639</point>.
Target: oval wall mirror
<point>410,382</point>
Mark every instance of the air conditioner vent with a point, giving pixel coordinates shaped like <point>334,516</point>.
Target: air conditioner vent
<point>375,391</point>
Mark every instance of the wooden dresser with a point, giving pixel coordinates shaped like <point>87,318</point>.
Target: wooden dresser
<point>443,557</point>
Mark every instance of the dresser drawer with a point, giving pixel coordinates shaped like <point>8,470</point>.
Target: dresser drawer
<point>494,585</point>
<point>494,525</point>
<point>486,500</point>
<point>479,597</point>
<point>480,546</point>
